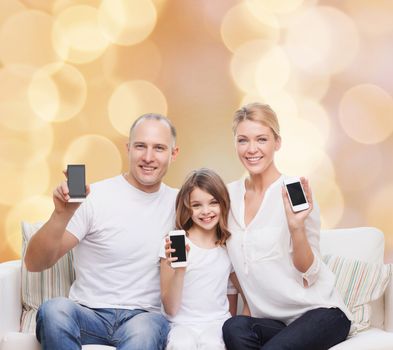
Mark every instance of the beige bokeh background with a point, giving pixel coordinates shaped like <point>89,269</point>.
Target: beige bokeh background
<point>75,74</point>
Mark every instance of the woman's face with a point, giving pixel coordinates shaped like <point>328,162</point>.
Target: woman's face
<point>255,146</point>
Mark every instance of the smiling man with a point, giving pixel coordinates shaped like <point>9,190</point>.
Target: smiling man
<point>115,233</point>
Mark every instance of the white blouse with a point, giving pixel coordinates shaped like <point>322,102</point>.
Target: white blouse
<point>261,257</point>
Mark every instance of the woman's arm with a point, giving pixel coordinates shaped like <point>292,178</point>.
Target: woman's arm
<point>303,256</point>
<point>235,281</point>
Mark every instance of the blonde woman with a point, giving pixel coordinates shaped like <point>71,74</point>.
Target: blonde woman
<point>275,252</point>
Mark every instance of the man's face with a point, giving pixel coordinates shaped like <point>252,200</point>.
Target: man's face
<point>150,151</point>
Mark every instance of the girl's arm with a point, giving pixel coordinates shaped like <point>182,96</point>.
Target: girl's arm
<point>235,281</point>
<point>171,282</point>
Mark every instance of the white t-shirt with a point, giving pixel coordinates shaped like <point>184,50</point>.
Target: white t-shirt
<point>261,256</point>
<point>120,229</point>
<point>204,297</point>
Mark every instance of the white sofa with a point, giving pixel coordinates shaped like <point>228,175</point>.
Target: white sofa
<point>366,244</point>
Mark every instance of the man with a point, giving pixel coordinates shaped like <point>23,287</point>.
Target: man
<point>116,235</point>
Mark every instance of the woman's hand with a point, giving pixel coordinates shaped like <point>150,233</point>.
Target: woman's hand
<point>296,220</point>
<point>302,255</point>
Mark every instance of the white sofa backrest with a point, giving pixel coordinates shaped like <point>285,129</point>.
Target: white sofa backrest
<point>361,243</point>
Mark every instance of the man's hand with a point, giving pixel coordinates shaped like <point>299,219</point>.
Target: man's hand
<point>61,197</point>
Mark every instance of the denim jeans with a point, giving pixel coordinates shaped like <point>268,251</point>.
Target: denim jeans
<point>63,324</point>
<point>318,329</point>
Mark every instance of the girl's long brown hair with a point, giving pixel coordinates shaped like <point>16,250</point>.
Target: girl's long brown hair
<point>208,181</point>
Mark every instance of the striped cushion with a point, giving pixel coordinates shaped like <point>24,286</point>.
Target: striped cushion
<point>40,286</point>
<point>359,283</point>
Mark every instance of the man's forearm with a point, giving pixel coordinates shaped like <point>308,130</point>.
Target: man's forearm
<point>44,247</point>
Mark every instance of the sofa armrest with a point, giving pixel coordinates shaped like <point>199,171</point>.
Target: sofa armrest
<point>10,297</point>
<point>389,306</point>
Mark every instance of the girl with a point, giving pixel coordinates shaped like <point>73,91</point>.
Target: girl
<point>195,297</point>
<point>275,252</point>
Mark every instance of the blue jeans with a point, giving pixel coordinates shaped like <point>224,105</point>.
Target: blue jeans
<point>63,324</point>
<point>318,329</point>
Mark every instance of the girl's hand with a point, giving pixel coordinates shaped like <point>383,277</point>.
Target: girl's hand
<point>296,220</point>
<point>169,250</point>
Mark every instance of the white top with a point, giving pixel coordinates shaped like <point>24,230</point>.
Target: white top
<point>261,256</point>
<point>204,297</point>
<point>120,229</point>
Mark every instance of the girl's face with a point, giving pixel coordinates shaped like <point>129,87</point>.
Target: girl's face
<point>255,146</point>
<point>205,209</point>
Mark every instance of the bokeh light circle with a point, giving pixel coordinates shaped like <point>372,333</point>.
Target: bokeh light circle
<point>15,110</point>
<point>82,150</point>
<point>379,209</point>
<point>25,38</point>
<point>123,63</point>
<point>364,161</point>
<point>300,160</point>
<point>296,156</point>
<point>372,17</point>
<point>332,32</point>
<point>8,9</point>
<point>278,6</point>
<point>240,26</point>
<point>127,22</point>
<point>314,85</point>
<point>33,179</point>
<point>57,92</point>
<point>330,200</point>
<point>25,147</point>
<point>366,113</point>
<point>244,64</point>
<point>272,72</point>
<point>315,113</point>
<point>132,99</point>
<point>77,36</point>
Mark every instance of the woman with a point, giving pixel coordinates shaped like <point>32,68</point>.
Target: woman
<point>275,252</point>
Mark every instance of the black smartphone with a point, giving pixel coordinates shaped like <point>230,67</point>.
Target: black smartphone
<point>76,180</point>
<point>178,239</point>
<point>297,197</point>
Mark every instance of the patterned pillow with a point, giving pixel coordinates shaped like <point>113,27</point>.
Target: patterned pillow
<point>40,286</point>
<point>359,283</point>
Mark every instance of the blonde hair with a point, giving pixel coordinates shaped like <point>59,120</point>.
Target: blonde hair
<point>208,181</point>
<point>257,112</point>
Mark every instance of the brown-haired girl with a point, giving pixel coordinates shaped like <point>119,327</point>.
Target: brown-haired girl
<point>194,298</point>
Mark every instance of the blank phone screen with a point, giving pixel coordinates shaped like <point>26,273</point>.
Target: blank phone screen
<point>179,243</point>
<point>296,193</point>
<point>76,180</point>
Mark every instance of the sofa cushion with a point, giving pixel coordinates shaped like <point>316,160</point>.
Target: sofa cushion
<point>24,341</point>
<point>40,286</point>
<point>359,283</point>
<point>372,338</point>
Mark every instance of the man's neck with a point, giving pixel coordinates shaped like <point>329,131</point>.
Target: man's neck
<point>144,188</point>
